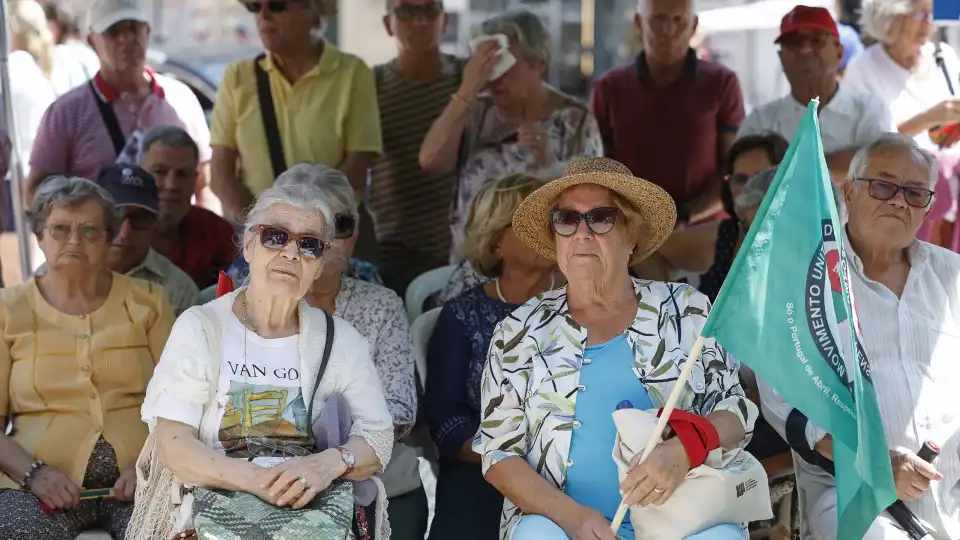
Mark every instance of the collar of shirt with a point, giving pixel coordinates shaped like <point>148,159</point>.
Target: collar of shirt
<point>151,264</point>
<point>842,103</point>
<point>108,93</point>
<point>690,64</point>
<point>918,253</point>
<point>330,61</point>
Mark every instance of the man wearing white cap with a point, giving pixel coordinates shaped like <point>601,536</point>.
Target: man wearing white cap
<point>97,123</point>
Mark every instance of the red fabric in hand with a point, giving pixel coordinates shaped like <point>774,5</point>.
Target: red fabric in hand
<point>224,284</point>
<point>697,435</point>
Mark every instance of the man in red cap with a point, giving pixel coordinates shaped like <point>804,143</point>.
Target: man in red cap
<point>810,52</point>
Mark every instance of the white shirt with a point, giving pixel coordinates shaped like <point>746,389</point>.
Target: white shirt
<point>850,119</point>
<point>913,344</point>
<point>32,93</point>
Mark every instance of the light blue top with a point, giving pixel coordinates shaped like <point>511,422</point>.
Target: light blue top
<point>609,384</point>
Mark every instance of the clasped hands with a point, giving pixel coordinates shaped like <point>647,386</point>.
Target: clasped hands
<point>297,481</point>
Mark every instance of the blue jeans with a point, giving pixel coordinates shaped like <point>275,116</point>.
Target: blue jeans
<point>541,528</point>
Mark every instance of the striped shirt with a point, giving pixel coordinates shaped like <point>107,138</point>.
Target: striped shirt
<point>411,208</point>
<point>912,343</point>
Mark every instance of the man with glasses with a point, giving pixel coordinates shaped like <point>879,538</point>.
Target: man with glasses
<point>135,193</point>
<point>907,296</point>
<point>411,207</point>
<point>810,53</point>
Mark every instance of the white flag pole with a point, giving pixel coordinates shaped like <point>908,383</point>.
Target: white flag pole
<point>662,422</point>
<point>16,160</point>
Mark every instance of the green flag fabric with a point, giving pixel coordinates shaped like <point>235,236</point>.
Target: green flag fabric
<point>786,310</point>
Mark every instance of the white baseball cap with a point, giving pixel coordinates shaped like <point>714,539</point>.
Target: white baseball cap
<point>105,13</point>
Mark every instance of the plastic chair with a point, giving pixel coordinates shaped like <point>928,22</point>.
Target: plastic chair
<point>423,286</point>
<point>421,330</point>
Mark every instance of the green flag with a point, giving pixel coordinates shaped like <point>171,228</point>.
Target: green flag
<point>786,310</point>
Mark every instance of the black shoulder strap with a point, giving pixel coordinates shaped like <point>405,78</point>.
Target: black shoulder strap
<point>796,432</point>
<point>327,348</point>
<point>109,120</point>
<point>269,116</point>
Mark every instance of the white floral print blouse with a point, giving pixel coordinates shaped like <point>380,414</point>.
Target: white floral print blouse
<point>531,380</point>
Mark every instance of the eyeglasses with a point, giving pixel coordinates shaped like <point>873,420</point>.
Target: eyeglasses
<point>409,12</point>
<point>796,40</point>
<point>884,191</point>
<point>87,233</point>
<point>273,6</point>
<point>140,220</point>
<point>599,220</point>
<point>736,179</point>
<point>276,239</point>
<point>921,15</point>
<point>344,226</point>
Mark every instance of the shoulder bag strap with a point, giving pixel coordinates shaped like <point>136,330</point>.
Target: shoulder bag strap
<point>109,120</point>
<point>269,115</point>
<point>327,348</point>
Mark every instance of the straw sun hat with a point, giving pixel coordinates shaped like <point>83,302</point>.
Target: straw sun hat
<point>531,222</point>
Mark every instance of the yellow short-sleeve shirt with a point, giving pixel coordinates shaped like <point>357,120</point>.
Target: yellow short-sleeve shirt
<point>328,112</point>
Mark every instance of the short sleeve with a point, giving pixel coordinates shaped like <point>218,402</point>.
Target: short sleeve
<point>730,113</point>
<point>224,122</point>
<point>53,144</point>
<point>393,357</point>
<point>362,131</point>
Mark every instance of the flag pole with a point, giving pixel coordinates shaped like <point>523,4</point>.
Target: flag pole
<point>16,166</point>
<point>668,407</point>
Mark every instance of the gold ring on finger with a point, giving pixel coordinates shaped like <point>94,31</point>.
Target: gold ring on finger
<point>657,490</point>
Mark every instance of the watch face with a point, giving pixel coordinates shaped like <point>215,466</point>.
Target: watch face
<point>348,458</point>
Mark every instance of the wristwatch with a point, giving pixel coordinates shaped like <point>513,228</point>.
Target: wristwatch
<point>348,460</point>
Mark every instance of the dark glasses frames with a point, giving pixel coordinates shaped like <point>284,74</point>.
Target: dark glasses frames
<point>276,239</point>
<point>736,179</point>
<point>599,220</point>
<point>345,226</point>
<point>884,191</point>
<point>273,6</point>
<point>409,12</point>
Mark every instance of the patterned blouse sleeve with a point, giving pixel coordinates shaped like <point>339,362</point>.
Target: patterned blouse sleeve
<point>592,140</point>
<point>722,391</point>
<point>393,357</point>
<point>503,390</point>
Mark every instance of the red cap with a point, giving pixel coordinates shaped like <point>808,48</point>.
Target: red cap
<point>807,18</point>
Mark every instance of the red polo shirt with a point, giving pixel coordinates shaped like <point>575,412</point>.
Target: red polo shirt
<point>668,134</point>
<point>204,246</point>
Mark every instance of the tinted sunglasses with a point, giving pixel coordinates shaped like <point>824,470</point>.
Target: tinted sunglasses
<point>409,12</point>
<point>276,239</point>
<point>884,191</point>
<point>344,226</point>
<point>599,220</point>
<point>273,6</point>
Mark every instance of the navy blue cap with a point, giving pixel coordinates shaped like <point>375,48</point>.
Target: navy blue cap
<point>130,185</point>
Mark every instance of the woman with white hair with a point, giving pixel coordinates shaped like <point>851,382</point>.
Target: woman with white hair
<point>504,119</point>
<point>378,314</point>
<point>245,381</point>
<point>302,101</point>
<point>917,79</point>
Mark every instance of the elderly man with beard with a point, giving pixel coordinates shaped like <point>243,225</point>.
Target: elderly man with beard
<point>908,299</point>
<point>810,52</point>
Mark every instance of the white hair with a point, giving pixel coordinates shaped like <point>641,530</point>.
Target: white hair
<point>334,188</point>
<point>862,158</point>
<point>67,191</point>
<point>302,196</point>
<point>524,27</point>
<point>879,17</point>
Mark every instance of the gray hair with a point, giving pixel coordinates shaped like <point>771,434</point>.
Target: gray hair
<point>862,158</point>
<point>756,188</point>
<point>69,192</point>
<point>172,136</point>
<point>334,187</point>
<point>303,197</point>
<point>526,29</point>
<point>879,17</point>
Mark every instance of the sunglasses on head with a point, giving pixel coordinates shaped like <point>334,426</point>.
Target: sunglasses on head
<point>276,239</point>
<point>344,226</point>
<point>600,221</point>
<point>273,6</point>
<point>882,190</point>
<point>409,12</point>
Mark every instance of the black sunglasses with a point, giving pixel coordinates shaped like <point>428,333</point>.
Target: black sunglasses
<point>409,12</point>
<point>884,191</point>
<point>276,239</point>
<point>273,6</point>
<point>344,226</point>
<point>599,220</point>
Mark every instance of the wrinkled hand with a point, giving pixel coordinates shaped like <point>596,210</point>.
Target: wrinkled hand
<point>302,478</point>
<point>535,141</point>
<point>54,488</point>
<point>911,475</point>
<point>588,524</point>
<point>477,71</point>
<point>126,486</point>
<point>664,470</point>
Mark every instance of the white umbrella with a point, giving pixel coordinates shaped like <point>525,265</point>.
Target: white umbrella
<point>16,163</point>
<point>763,15</point>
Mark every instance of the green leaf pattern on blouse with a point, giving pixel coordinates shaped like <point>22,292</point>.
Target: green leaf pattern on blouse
<point>530,382</point>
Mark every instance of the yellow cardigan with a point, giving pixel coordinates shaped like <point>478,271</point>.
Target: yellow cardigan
<point>67,380</point>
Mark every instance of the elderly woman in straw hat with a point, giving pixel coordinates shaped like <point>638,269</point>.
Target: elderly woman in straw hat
<point>562,363</point>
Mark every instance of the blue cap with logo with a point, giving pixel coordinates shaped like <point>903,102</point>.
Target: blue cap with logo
<point>130,185</point>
